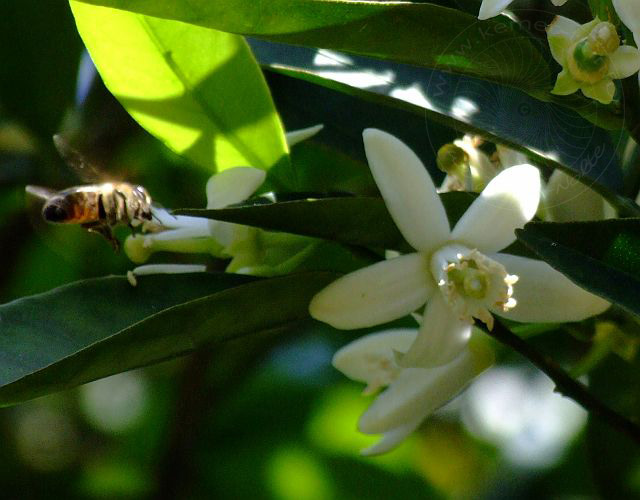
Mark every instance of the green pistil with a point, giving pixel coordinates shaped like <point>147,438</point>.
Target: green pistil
<point>587,60</point>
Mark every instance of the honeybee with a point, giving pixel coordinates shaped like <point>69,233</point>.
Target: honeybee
<point>96,207</point>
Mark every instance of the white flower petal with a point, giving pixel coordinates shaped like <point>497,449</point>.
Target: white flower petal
<point>296,136</point>
<point>559,35</point>
<point>567,199</point>
<point>391,439</point>
<point>407,189</point>
<point>629,13</point>
<point>441,338</point>
<point>558,3</point>
<point>233,186</point>
<point>167,220</point>
<point>370,359</point>
<point>510,157</point>
<point>375,294</point>
<point>491,8</point>
<point>624,62</point>
<point>508,202</point>
<point>544,295</point>
<point>562,27</point>
<point>417,392</point>
<point>169,269</point>
<point>584,30</point>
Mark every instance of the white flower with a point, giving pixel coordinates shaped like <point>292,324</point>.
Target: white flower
<point>184,234</point>
<point>564,198</point>
<point>491,8</point>
<point>591,58</point>
<point>179,233</point>
<point>457,271</point>
<point>413,393</point>
<point>567,199</point>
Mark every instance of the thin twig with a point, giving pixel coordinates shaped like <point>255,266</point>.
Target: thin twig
<point>566,385</point>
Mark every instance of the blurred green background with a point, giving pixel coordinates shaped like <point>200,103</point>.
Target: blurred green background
<point>261,418</point>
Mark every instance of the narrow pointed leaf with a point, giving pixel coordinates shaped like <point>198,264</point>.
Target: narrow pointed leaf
<point>99,327</point>
<point>349,220</point>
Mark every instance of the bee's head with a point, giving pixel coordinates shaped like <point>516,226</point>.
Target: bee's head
<point>57,210</point>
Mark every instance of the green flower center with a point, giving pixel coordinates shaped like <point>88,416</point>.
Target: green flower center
<point>469,281</point>
<point>472,283</point>
<point>587,59</point>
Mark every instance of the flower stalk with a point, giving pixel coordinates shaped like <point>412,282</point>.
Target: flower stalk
<point>565,384</point>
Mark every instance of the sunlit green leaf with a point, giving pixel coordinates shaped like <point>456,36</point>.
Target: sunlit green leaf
<point>602,257</point>
<point>198,90</point>
<point>95,328</point>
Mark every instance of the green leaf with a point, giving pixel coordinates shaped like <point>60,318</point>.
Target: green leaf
<point>198,90</point>
<point>546,132</point>
<point>353,221</point>
<point>99,327</point>
<point>602,257</point>
<point>604,10</point>
<point>416,33</point>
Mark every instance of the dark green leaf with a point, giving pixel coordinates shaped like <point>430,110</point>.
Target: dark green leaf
<point>39,64</point>
<point>416,33</point>
<point>352,221</point>
<point>547,133</point>
<point>603,9</point>
<point>95,328</point>
<point>602,257</point>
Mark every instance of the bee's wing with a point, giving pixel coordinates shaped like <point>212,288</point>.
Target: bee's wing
<point>87,171</point>
<point>41,192</point>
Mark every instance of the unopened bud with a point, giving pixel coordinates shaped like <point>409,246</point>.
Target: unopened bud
<point>452,159</point>
<point>136,250</point>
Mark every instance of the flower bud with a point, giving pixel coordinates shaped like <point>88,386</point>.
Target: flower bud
<point>452,160</point>
<point>136,249</point>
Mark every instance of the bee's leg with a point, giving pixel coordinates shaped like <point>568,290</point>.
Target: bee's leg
<point>122,207</point>
<point>105,231</point>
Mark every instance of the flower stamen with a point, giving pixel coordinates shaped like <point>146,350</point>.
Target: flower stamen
<point>472,283</point>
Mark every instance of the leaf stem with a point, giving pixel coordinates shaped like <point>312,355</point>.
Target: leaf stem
<point>565,384</point>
